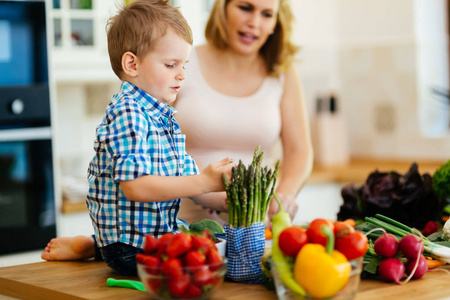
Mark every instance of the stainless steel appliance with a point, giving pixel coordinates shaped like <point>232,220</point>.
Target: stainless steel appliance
<point>27,198</point>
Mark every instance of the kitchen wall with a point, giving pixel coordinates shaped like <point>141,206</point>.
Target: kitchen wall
<point>379,57</point>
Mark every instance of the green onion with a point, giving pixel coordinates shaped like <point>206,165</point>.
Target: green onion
<point>399,229</point>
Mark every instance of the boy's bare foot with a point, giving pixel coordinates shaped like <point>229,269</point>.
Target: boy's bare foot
<point>69,248</point>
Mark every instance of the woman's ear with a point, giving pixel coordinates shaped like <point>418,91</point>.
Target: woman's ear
<point>129,64</point>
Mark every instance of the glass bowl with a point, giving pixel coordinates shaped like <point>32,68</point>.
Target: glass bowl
<point>347,293</point>
<point>194,282</point>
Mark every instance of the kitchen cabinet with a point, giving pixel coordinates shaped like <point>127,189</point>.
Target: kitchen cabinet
<point>78,36</point>
<point>78,39</point>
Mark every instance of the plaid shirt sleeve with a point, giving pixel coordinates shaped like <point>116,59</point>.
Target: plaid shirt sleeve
<point>125,139</point>
<point>191,167</point>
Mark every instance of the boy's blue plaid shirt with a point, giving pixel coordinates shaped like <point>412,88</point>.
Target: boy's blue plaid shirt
<point>138,136</point>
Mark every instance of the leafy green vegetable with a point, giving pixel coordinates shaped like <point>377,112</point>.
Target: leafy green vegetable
<point>408,198</point>
<point>441,180</point>
<point>206,224</point>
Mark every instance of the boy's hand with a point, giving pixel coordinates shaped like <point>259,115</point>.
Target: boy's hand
<point>213,173</point>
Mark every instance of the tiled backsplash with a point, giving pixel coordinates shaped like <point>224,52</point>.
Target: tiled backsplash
<point>380,103</point>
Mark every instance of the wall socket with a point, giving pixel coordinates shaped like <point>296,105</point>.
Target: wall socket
<point>384,118</point>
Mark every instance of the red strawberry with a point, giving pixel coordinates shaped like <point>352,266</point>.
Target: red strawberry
<point>202,243</point>
<point>151,262</point>
<point>202,277</point>
<point>177,286</point>
<point>192,291</point>
<point>215,260</point>
<point>179,244</point>
<point>150,244</point>
<point>194,258</point>
<point>430,227</point>
<point>154,284</point>
<point>163,243</point>
<point>172,267</point>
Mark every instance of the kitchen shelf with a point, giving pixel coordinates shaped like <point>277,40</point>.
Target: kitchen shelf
<point>73,206</point>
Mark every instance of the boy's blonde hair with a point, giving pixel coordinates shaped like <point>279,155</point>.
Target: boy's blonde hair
<point>139,25</point>
<point>278,52</point>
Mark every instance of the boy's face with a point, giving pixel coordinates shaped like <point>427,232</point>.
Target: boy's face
<point>161,72</point>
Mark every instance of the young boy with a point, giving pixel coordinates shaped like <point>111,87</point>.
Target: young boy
<point>140,165</point>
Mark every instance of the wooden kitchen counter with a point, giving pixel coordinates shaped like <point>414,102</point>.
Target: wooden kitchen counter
<point>358,169</point>
<point>87,280</point>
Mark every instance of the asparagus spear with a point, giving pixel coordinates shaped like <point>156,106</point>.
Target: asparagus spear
<point>250,190</point>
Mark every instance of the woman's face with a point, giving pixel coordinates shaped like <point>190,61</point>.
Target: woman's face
<point>249,23</point>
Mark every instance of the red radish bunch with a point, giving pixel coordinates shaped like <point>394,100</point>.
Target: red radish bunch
<point>392,268</point>
<point>386,245</point>
<point>186,265</point>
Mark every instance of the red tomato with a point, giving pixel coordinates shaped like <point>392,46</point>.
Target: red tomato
<point>192,291</point>
<point>202,243</point>
<point>353,245</point>
<point>215,260</point>
<point>314,231</point>
<point>179,244</point>
<point>194,258</point>
<point>202,277</point>
<point>341,229</point>
<point>291,240</point>
<point>172,267</point>
<point>177,286</point>
<point>151,244</point>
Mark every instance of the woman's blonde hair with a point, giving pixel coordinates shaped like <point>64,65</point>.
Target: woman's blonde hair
<point>139,25</point>
<point>278,51</point>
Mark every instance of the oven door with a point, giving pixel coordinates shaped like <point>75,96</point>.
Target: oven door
<point>27,200</point>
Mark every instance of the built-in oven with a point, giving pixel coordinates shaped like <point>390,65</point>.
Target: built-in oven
<point>27,195</point>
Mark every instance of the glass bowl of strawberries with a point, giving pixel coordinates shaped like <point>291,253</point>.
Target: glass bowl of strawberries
<point>181,266</point>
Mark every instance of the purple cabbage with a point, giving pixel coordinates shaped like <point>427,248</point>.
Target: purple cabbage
<point>407,198</point>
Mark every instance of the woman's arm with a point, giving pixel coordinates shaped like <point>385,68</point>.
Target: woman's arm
<point>151,188</point>
<point>297,158</point>
<point>215,201</point>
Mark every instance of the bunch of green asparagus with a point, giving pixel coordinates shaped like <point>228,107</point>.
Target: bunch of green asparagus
<point>250,191</point>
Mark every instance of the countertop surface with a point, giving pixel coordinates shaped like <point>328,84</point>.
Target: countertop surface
<point>358,169</point>
<point>87,280</point>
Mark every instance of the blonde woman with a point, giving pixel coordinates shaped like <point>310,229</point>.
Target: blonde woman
<point>243,91</point>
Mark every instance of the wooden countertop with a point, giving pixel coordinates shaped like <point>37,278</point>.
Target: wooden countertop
<point>87,280</point>
<point>359,169</point>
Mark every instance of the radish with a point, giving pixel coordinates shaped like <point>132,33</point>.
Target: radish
<point>386,245</point>
<point>422,267</point>
<point>392,269</point>
<point>411,246</point>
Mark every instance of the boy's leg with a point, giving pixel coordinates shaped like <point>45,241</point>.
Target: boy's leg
<point>121,258</point>
<point>70,248</point>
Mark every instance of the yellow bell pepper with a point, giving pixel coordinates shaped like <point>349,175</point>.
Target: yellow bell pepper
<point>321,271</point>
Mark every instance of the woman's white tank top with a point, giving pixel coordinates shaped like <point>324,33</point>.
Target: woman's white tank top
<point>218,126</point>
